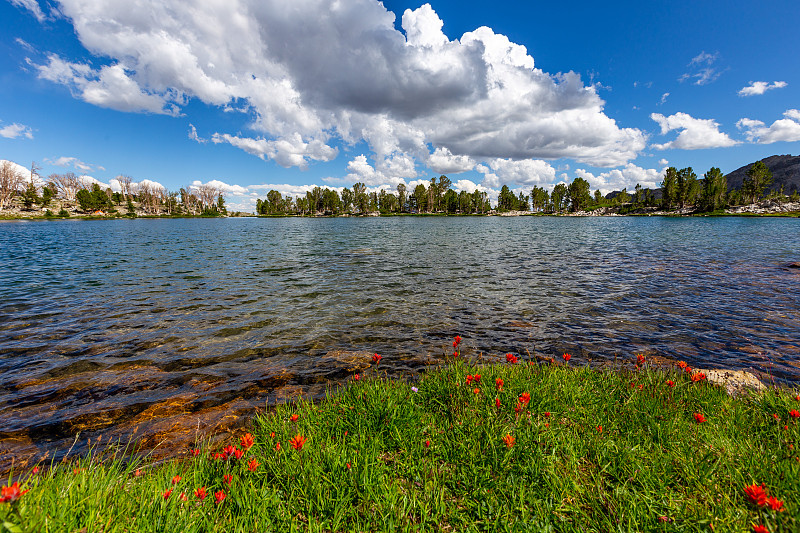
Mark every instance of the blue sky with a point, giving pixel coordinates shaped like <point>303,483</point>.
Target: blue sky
<point>252,94</point>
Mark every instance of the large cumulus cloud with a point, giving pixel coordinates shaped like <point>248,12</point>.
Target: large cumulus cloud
<point>309,71</point>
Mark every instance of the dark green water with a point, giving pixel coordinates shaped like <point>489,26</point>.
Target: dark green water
<point>102,323</point>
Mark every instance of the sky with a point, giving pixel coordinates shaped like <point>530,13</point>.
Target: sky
<point>253,95</point>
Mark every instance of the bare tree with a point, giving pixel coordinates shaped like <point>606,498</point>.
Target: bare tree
<point>207,195</point>
<point>10,182</point>
<point>148,197</point>
<point>66,185</point>
<point>125,184</point>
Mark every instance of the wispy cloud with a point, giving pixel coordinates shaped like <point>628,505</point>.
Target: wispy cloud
<point>760,87</point>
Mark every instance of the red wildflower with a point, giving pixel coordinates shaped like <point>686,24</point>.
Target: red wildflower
<point>497,403</point>
<point>775,416</point>
<point>794,413</point>
<point>469,379</point>
<point>641,387</point>
<point>35,469</point>
<point>137,473</point>
<point>509,441</point>
<point>347,466</point>
<point>547,414</point>
<point>167,493</point>
<point>518,408</point>
<point>670,383</point>
<point>525,398</point>
<point>182,497</point>
<point>427,444</point>
<point>756,494</point>
<point>775,504</point>
<point>356,377</point>
<point>176,480</point>
<point>511,358</point>
<point>247,441</point>
<point>797,397</point>
<point>566,357</point>
<point>294,418</point>
<point>297,442</point>
<point>229,451</point>
<point>272,434</point>
<point>219,496</point>
<point>498,383</point>
<point>11,493</point>
<point>455,354</point>
<point>698,376</point>
<point>699,418</point>
<point>599,429</point>
<point>228,479</point>
<point>547,425</point>
<point>252,465</point>
<point>688,370</point>
<point>456,341</point>
<point>200,493</point>
<point>760,529</point>
<point>639,359</point>
<point>376,358</point>
<point>277,446</point>
<point>195,452</point>
<point>682,364</point>
<point>477,378</point>
<point>476,390</point>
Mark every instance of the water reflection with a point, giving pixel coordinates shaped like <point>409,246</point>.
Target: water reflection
<point>177,327</point>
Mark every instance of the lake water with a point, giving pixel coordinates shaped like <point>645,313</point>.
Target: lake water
<point>172,329</point>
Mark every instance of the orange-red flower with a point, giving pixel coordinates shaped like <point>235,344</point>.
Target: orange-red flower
<point>167,493</point>
<point>294,418</point>
<point>518,407</point>
<point>183,497</point>
<point>247,441</point>
<point>277,446</point>
<point>547,414</point>
<point>599,429</point>
<point>456,341</point>
<point>670,383</point>
<point>476,390</point>
<point>219,496</point>
<point>756,494</point>
<point>356,377</point>
<point>525,398</point>
<point>775,504</point>
<point>699,418</point>
<point>469,379</point>
<point>511,358</point>
<point>195,452</point>
<point>509,441</point>
<point>427,444</point>
<point>376,358</point>
<point>176,480</point>
<point>698,376</point>
<point>200,493</point>
<point>477,378</point>
<point>272,434</point>
<point>347,466</point>
<point>228,479</point>
<point>682,364</point>
<point>35,469</point>
<point>794,413</point>
<point>252,465</point>
<point>758,528</point>
<point>498,384</point>
<point>639,359</point>
<point>566,357</point>
<point>11,493</point>
<point>137,473</point>
<point>688,370</point>
<point>497,403</point>
<point>297,442</point>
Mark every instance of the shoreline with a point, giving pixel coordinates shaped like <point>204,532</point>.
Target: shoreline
<point>456,446</point>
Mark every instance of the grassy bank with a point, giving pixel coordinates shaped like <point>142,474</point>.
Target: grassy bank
<point>554,448</point>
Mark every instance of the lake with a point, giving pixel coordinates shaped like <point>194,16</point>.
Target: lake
<point>172,329</point>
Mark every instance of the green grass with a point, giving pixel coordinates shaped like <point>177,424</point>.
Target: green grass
<point>366,466</point>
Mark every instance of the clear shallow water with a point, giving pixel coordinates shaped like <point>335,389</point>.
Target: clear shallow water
<point>170,327</point>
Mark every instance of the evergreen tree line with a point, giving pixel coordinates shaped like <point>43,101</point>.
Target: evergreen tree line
<point>438,197</point>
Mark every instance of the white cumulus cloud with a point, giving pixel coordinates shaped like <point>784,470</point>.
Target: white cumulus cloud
<point>786,129</point>
<point>695,133</point>
<point>15,131</point>
<point>526,173</point>
<point>760,87</point>
<point>624,178</point>
<point>310,71</point>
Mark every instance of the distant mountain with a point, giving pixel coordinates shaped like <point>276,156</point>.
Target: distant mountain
<point>785,171</point>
